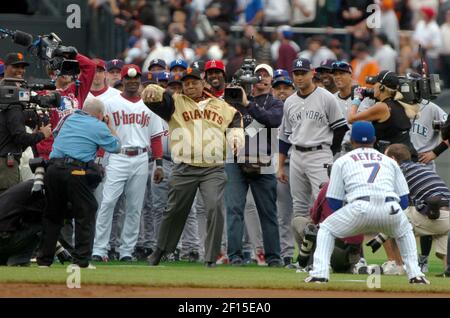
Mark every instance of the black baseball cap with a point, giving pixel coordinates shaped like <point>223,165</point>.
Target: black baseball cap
<point>326,65</point>
<point>192,72</point>
<point>388,79</point>
<point>15,59</point>
<point>301,64</point>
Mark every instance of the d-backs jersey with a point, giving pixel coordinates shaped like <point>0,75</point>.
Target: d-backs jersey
<point>366,172</point>
<point>134,123</point>
<point>423,137</point>
<point>310,121</point>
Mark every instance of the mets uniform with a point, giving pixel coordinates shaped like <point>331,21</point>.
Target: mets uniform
<point>126,172</point>
<point>308,124</point>
<point>372,184</point>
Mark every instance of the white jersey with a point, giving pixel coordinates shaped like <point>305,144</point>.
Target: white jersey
<point>366,172</point>
<point>310,121</point>
<point>107,94</point>
<point>134,123</point>
<point>423,137</point>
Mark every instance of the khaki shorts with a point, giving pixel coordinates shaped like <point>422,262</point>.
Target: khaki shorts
<point>438,228</point>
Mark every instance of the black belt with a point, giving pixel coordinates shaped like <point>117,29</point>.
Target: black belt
<point>367,198</point>
<point>305,149</point>
<point>70,161</point>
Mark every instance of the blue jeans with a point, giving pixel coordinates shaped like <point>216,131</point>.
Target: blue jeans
<point>264,189</point>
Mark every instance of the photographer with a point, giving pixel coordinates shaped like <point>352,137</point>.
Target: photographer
<point>14,139</point>
<point>263,111</point>
<point>73,96</point>
<point>71,177</point>
<point>390,116</point>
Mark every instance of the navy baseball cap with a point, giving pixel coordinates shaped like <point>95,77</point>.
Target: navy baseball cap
<point>326,65</point>
<point>342,66</point>
<point>301,64</point>
<point>174,78</point>
<point>114,64</point>
<point>149,77</point>
<point>158,62</point>
<point>178,62</point>
<point>363,132</point>
<point>281,76</point>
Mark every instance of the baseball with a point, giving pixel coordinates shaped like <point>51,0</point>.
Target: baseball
<point>132,72</point>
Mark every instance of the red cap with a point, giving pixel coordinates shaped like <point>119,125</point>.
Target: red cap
<point>214,65</point>
<point>127,67</point>
<point>429,12</point>
<point>100,63</point>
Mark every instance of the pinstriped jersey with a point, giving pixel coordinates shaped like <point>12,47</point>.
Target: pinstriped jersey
<point>366,172</point>
<point>310,121</point>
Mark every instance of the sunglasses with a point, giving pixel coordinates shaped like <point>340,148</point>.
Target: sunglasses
<point>340,65</point>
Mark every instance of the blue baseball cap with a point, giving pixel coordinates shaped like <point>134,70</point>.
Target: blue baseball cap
<point>301,64</point>
<point>178,62</point>
<point>163,76</point>
<point>281,76</point>
<point>363,132</point>
<point>114,64</point>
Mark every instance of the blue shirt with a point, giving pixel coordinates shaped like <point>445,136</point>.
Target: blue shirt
<point>252,9</point>
<point>80,137</point>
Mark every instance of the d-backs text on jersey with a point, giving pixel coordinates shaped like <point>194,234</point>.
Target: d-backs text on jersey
<point>120,117</point>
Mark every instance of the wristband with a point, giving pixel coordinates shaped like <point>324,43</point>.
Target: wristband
<point>159,162</point>
<point>440,148</point>
<point>356,101</point>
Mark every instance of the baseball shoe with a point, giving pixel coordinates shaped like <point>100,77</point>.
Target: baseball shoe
<point>275,263</point>
<point>128,259</point>
<point>419,280</point>
<point>423,263</point>
<point>318,280</point>
<point>113,255</point>
<point>210,265</point>
<point>444,274</point>
<point>141,253</point>
<point>98,258</point>
<point>237,261</point>
<point>360,267</point>
<point>222,259</point>
<point>260,258</point>
<point>155,257</point>
<point>193,256</point>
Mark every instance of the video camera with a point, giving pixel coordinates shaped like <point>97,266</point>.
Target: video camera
<point>245,77</point>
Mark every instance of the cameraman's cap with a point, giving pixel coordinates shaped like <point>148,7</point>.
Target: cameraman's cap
<point>326,65</point>
<point>215,65</point>
<point>128,69</point>
<point>342,66</point>
<point>363,132</point>
<point>15,59</point>
<point>192,72</point>
<point>301,64</point>
<point>266,67</point>
<point>178,62</point>
<point>158,62</point>
<point>281,76</point>
<point>114,64</point>
<point>388,79</point>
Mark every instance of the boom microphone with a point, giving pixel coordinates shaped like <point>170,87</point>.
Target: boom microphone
<point>19,37</point>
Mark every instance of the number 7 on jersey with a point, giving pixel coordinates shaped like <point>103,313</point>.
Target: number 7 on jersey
<point>375,168</point>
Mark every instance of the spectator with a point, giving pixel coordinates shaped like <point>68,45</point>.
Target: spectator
<point>221,12</point>
<point>445,51</point>
<point>404,14</point>
<point>354,11</point>
<point>363,64</point>
<point>317,51</point>
<point>287,53</point>
<point>253,11</point>
<point>426,34</point>
<point>157,51</point>
<point>303,12</point>
<point>336,47</point>
<point>235,62</point>
<point>406,54</point>
<point>389,23</point>
<point>277,12</point>
<point>262,47</point>
<point>283,32</point>
<point>385,55</point>
<point>182,49</point>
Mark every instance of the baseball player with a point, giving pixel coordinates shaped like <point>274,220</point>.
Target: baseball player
<point>188,115</point>
<point>215,76</point>
<point>127,171</point>
<point>157,65</point>
<point>376,192</point>
<point>283,87</point>
<point>178,66</point>
<point>113,69</point>
<point>314,124</point>
<point>325,72</point>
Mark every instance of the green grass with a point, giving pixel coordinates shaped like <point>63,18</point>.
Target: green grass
<point>183,274</point>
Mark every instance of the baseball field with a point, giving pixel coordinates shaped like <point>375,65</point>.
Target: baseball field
<point>183,279</point>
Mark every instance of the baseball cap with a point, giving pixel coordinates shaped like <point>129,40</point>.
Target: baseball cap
<point>428,11</point>
<point>174,78</point>
<point>301,64</point>
<point>192,72</point>
<point>158,62</point>
<point>100,63</point>
<point>342,66</point>
<point>281,76</point>
<point>363,132</point>
<point>148,77</point>
<point>163,76</point>
<point>178,62</point>
<point>214,65</point>
<point>266,67</point>
<point>326,65</point>
<point>388,79</point>
<point>114,64</point>
<point>199,65</point>
<point>15,59</point>
<point>127,68</point>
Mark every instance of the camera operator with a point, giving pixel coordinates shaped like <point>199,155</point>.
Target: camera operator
<point>390,116</point>
<point>72,176</point>
<point>73,96</point>
<point>15,65</point>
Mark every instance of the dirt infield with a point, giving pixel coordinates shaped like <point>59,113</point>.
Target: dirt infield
<point>92,291</point>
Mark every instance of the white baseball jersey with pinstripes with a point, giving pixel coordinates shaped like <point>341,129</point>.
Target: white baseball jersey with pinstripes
<point>366,172</point>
